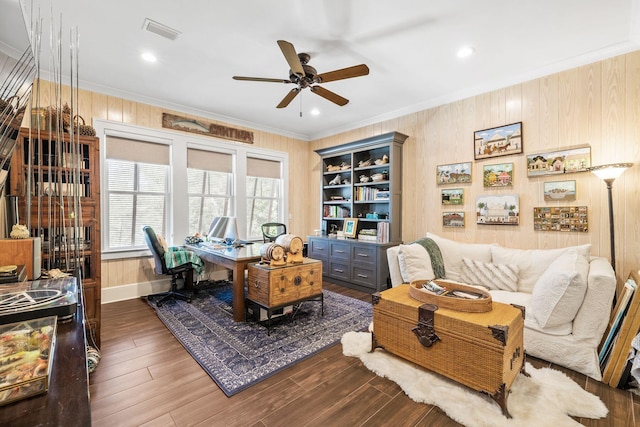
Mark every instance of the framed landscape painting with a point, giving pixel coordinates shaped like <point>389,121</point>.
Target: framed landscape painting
<point>453,219</point>
<point>500,141</point>
<point>455,173</point>
<point>557,162</point>
<point>559,190</point>
<point>498,175</point>
<point>453,196</point>
<point>497,210</point>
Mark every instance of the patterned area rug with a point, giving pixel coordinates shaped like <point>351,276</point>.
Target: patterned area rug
<point>238,355</point>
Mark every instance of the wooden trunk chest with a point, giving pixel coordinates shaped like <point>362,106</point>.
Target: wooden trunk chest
<point>483,351</point>
<point>278,286</point>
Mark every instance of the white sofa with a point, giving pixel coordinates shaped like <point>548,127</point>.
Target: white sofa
<point>567,293</point>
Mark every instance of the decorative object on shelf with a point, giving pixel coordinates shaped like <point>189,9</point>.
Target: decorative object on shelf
<point>273,254</point>
<point>497,210</point>
<point>192,240</point>
<point>341,167</point>
<point>559,190</point>
<point>81,128</point>
<point>498,175</point>
<point>453,219</point>
<point>609,173</point>
<point>455,173</point>
<point>350,227</point>
<point>562,161</point>
<point>336,181</point>
<point>364,178</point>
<point>344,166</point>
<point>293,246</point>
<point>364,163</point>
<point>453,196</point>
<point>382,161</point>
<point>499,141</point>
<point>561,218</point>
<point>19,231</point>
<point>377,177</point>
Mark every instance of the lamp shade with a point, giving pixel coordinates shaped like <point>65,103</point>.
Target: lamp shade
<point>611,171</point>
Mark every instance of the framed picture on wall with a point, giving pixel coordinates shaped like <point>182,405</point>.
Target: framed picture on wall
<point>455,173</point>
<point>453,196</point>
<point>497,209</point>
<point>501,141</point>
<point>559,190</point>
<point>500,175</point>
<point>558,162</point>
<point>453,219</point>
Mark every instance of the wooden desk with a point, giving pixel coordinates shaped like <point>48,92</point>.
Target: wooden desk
<point>235,259</point>
<point>66,403</point>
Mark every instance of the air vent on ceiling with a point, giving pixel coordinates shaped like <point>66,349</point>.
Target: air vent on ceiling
<point>160,29</point>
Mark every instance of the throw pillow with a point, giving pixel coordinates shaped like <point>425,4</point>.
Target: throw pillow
<point>453,252</point>
<point>532,262</point>
<point>559,292</point>
<point>491,276</point>
<point>162,242</point>
<point>415,263</point>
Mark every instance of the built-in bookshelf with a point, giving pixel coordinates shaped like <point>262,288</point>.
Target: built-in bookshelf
<point>58,181</point>
<point>363,180</point>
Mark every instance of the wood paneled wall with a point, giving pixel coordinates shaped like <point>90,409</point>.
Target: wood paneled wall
<point>596,104</point>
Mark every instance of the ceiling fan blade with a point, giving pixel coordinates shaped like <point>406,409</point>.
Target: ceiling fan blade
<point>344,73</point>
<point>291,56</point>
<point>287,99</point>
<point>260,79</point>
<point>331,96</point>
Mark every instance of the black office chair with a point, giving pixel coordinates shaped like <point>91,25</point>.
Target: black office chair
<point>179,272</point>
<point>271,230</point>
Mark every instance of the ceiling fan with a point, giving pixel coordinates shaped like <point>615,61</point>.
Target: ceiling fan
<point>304,75</point>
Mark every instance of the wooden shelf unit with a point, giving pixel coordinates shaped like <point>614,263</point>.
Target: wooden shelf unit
<point>55,179</point>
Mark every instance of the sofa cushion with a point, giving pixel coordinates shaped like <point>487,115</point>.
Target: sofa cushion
<point>560,290</point>
<point>415,263</point>
<point>491,276</point>
<point>532,262</point>
<point>453,252</point>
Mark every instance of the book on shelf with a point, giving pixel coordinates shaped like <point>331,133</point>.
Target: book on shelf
<point>383,232</point>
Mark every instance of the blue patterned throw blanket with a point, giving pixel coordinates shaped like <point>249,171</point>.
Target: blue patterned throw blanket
<point>175,256</point>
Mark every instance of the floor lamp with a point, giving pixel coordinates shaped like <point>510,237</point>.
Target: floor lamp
<point>608,173</point>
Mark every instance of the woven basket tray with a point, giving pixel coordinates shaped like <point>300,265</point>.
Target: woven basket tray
<point>447,300</point>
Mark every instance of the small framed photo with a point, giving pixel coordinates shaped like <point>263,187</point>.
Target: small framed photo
<point>453,219</point>
<point>350,227</point>
<point>498,209</point>
<point>500,175</point>
<point>559,190</point>
<point>456,173</point>
<point>500,141</point>
<point>453,196</point>
<point>558,162</point>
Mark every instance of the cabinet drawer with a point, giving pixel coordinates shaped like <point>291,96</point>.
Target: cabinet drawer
<point>339,250</point>
<point>363,254</point>
<point>365,276</point>
<point>318,249</point>
<point>339,270</point>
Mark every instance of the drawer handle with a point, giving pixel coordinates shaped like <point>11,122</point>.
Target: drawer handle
<point>364,255</point>
<point>256,284</point>
<point>318,249</point>
<point>338,270</point>
<point>364,276</point>
<point>339,251</point>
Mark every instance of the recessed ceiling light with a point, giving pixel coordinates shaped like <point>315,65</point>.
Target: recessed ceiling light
<point>315,112</point>
<point>465,51</point>
<point>149,57</point>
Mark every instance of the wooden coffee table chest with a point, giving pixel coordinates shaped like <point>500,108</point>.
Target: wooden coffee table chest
<point>483,351</point>
<point>276,287</point>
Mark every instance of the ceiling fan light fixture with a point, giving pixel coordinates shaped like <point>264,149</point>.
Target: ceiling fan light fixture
<point>466,51</point>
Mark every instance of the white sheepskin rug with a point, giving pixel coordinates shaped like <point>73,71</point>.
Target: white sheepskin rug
<point>546,398</point>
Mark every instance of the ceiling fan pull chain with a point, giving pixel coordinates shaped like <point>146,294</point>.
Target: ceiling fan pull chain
<point>300,105</point>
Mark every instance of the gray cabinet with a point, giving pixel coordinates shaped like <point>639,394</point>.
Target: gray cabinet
<point>355,264</point>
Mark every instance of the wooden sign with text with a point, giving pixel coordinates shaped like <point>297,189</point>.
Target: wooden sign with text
<point>185,124</point>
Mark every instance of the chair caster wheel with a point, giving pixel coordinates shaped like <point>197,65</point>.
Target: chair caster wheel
<point>159,304</point>
<point>188,300</point>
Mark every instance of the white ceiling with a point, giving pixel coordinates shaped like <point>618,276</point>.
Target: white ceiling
<point>409,46</point>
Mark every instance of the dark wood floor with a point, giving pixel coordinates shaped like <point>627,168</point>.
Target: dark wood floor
<point>146,378</point>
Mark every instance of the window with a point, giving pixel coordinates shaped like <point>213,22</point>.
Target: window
<point>137,191</point>
<point>210,188</point>
<point>263,194</point>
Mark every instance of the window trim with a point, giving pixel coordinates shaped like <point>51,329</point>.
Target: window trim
<point>178,210</point>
